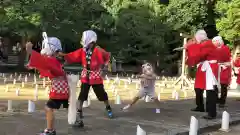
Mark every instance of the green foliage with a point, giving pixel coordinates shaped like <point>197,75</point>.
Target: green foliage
<point>132,30</point>
<point>229,22</point>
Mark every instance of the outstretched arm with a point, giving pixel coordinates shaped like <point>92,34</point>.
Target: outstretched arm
<point>73,57</point>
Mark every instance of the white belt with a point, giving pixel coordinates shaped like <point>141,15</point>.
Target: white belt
<point>210,78</point>
<point>209,61</point>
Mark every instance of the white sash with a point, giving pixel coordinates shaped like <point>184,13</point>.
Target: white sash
<point>210,78</point>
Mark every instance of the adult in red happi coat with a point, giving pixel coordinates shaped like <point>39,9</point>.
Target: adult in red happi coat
<point>92,58</point>
<point>236,63</point>
<point>204,55</point>
<point>225,68</point>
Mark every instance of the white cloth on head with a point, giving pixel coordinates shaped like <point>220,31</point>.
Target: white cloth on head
<point>50,46</point>
<point>201,35</point>
<point>88,37</point>
<point>218,41</point>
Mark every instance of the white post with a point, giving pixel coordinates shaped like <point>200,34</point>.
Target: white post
<point>35,79</point>
<point>225,122</point>
<point>5,80</point>
<point>44,82</point>
<point>9,106</point>
<point>147,98</point>
<point>25,79</point>
<point>118,100</point>
<point>36,93</point>
<point>176,96</point>
<point>31,106</point>
<point>72,109</point>
<point>6,89</point>
<point>22,84</point>
<point>17,92</point>
<point>193,126</point>
<point>140,131</point>
<point>14,81</point>
<point>159,96</point>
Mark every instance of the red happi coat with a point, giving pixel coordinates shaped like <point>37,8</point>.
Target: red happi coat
<point>226,71</point>
<point>52,68</point>
<point>237,64</point>
<point>197,53</point>
<point>99,57</point>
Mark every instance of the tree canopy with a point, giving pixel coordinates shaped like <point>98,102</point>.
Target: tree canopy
<point>132,30</point>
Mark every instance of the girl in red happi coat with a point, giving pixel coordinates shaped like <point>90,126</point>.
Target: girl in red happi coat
<point>204,55</point>
<point>93,59</point>
<point>49,66</point>
<point>225,69</point>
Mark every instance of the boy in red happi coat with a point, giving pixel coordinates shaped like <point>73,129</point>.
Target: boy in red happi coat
<point>204,55</point>
<point>93,59</point>
<point>49,66</point>
<point>224,67</point>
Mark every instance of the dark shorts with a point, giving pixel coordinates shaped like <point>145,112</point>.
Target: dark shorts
<point>56,103</point>
<point>98,90</point>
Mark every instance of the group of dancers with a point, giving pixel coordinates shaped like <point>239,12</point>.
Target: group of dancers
<point>212,58</point>
<point>93,59</point>
<point>214,71</point>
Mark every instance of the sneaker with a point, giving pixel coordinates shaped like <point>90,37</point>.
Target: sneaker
<point>110,114</point>
<point>79,123</point>
<point>126,107</point>
<point>79,120</point>
<point>48,132</point>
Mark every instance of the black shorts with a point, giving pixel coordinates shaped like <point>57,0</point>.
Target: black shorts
<point>56,103</point>
<point>98,90</point>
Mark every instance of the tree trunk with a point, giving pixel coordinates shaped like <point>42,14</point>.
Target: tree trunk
<point>22,55</point>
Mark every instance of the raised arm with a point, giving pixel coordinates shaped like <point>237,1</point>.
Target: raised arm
<point>74,57</point>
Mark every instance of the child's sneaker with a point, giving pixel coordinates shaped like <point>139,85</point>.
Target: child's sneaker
<point>109,112</point>
<point>79,121</point>
<point>48,132</point>
<point>126,107</point>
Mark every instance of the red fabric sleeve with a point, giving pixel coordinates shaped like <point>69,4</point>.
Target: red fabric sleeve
<point>193,52</point>
<point>106,56</point>
<point>237,62</point>
<point>228,53</point>
<point>45,65</point>
<point>74,57</point>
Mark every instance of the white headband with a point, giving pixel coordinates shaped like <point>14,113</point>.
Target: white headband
<point>218,41</point>
<point>50,45</point>
<point>201,35</point>
<point>88,37</point>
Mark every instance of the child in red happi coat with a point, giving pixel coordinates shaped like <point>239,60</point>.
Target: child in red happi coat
<point>49,66</point>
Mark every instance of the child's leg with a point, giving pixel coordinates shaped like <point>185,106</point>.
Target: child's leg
<point>102,96</point>
<point>153,97</point>
<point>82,97</point>
<point>49,109</point>
<point>140,94</point>
<point>49,118</point>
